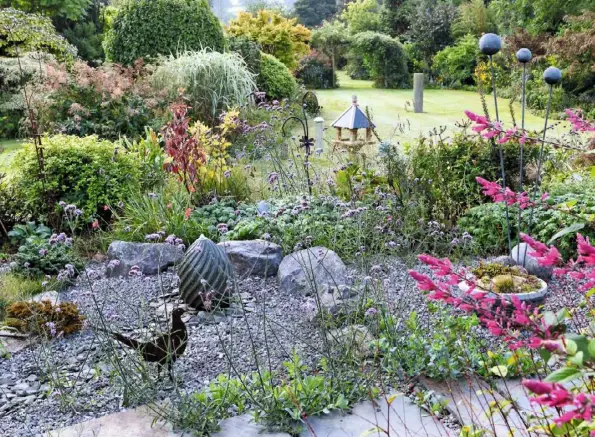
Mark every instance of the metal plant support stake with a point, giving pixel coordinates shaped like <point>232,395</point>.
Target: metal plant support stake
<point>551,76</point>
<point>524,57</point>
<point>309,104</point>
<point>490,44</point>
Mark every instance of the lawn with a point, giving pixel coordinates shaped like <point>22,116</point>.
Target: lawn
<point>8,149</point>
<point>387,106</point>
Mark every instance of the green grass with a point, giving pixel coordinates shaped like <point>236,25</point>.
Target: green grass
<point>8,149</point>
<point>393,120</point>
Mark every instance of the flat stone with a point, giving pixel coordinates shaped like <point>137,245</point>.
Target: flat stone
<point>253,257</point>
<point>402,418</point>
<point>150,258</point>
<point>244,426</point>
<point>131,423</point>
<point>12,345</point>
<point>469,402</point>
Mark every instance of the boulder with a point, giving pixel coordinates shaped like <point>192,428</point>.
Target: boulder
<point>150,258</point>
<point>520,255</point>
<point>253,257</point>
<point>317,270</point>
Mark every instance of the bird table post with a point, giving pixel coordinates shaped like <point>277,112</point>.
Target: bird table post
<point>418,92</point>
<point>318,133</point>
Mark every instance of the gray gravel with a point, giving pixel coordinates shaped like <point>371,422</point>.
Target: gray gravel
<point>81,368</point>
<point>130,305</point>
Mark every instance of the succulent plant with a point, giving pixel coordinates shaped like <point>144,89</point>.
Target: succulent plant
<point>204,274</point>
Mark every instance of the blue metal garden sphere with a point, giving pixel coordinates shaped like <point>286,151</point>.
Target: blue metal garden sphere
<point>552,75</point>
<point>523,55</point>
<point>490,44</point>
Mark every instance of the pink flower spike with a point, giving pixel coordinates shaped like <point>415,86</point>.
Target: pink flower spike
<point>538,387</point>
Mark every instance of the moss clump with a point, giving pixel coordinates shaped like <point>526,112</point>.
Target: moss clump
<point>505,279</point>
<point>44,317</point>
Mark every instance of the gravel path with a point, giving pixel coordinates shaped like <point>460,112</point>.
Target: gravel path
<point>29,407</point>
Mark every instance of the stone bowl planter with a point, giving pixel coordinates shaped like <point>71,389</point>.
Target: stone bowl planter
<point>530,297</point>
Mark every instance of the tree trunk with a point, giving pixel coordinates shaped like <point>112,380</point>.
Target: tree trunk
<point>333,65</point>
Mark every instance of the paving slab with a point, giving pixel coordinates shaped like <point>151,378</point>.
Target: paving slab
<point>473,402</point>
<point>136,422</point>
<point>243,426</point>
<point>403,419</point>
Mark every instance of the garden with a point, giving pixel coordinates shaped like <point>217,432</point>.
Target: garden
<point>250,227</point>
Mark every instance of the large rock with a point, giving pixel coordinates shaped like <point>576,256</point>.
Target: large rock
<point>314,271</point>
<point>150,258</point>
<point>253,257</point>
<point>520,255</point>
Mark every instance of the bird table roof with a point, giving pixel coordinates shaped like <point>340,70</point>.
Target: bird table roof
<point>353,118</point>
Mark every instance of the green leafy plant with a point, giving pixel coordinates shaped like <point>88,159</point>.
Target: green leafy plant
<point>275,79</point>
<point>315,71</point>
<point>88,172</point>
<point>14,288</point>
<point>37,258</point>
<point>28,233</point>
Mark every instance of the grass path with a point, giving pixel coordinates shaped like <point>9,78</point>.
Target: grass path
<point>8,149</point>
<point>441,108</point>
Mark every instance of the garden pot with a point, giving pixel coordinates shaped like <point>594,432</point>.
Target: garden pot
<point>530,297</point>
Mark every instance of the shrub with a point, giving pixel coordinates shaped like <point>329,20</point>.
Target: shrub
<point>315,71</point>
<point>212,81</point>
<point>12,210</point>
<point>249,51</point>
<point>487,223</point>
<point>44,317</point>
<point>455,65</point>
<point>275,79</point>
<point>278,36</point>
<point>86,171</point>
<point>148,28</point>
<point>451,168</point>
<point>383,57</point>
<point>109,101</point>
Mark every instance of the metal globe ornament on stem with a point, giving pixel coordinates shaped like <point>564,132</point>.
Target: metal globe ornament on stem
<point>524,57</point>
<point>490,44</point>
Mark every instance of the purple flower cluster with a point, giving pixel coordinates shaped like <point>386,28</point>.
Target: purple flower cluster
<point>60,238</point>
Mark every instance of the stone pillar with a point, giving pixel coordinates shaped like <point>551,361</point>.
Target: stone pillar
<point>418,92</point>
<point>318,132</point>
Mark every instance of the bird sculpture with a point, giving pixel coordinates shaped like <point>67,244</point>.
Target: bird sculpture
<point>164,349</point>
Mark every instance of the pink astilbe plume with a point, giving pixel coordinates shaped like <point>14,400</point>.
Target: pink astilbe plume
<point>499,194</point>
<point>579,124</point>
<point>546,256</point>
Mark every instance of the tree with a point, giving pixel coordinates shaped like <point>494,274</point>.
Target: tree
<point>71,9</point>
<point>473,17</point>
<point>395,16</point>
<point>148,28</point>
<point>312,13</point>
<point>278,36</point>
<point>330,39</point>
<point>430,27</point>
<point>455,64</point>
<point>362,16</point>
<point>383,57</point>
<point>537,16</point>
